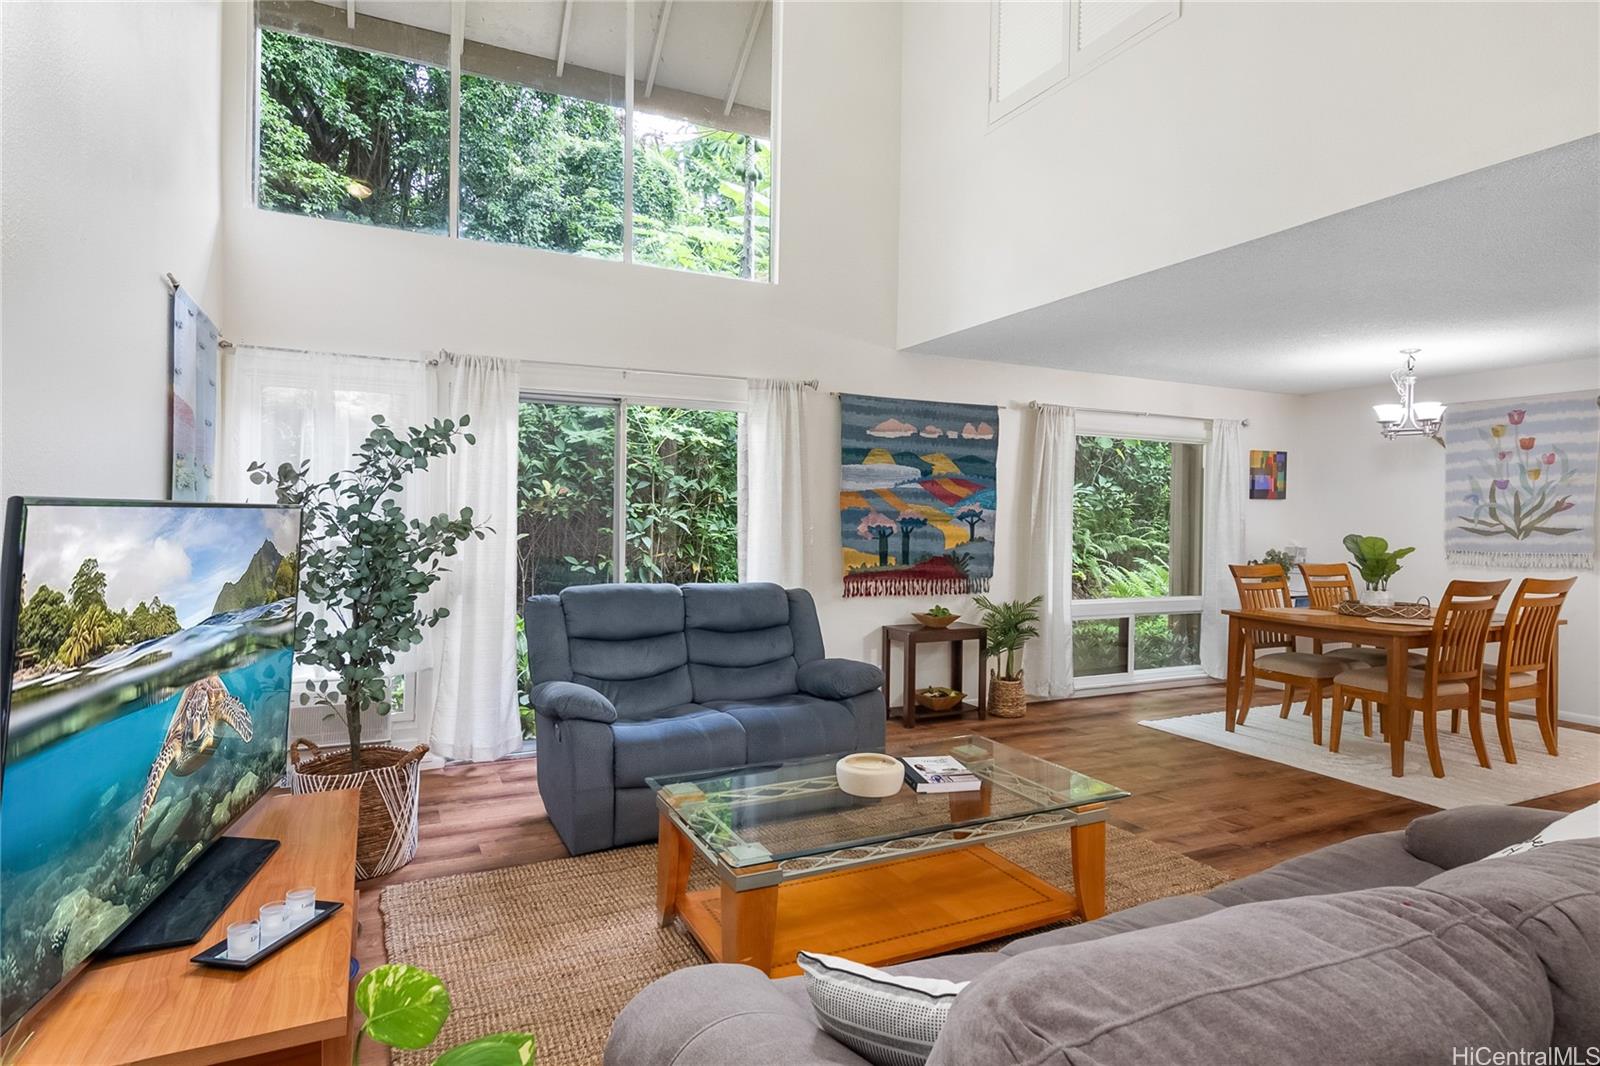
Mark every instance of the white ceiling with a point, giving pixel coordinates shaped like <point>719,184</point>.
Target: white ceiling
<point>1498,267</point>
<point>700,53</point>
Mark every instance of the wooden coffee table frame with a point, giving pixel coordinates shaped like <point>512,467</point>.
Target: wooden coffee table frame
<point>878,904</point>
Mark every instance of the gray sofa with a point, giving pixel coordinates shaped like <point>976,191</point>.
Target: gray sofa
<point>1390,948</point>
<point>637,681</point>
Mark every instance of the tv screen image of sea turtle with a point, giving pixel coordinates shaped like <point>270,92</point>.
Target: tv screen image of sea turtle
<point>149,708</point>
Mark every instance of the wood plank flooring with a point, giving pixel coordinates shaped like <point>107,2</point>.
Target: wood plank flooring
<point>1234,812</point>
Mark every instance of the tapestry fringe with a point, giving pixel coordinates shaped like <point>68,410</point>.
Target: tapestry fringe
<point>872,585</point>
<point>1511,559</point>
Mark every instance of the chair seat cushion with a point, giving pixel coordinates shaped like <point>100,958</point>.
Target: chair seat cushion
<point>1366,656</point>
<point>791,727</point>
<point>1376,679</point>
<point>1491,676</point>
<point>678,741</point>
<point>1301,664</point>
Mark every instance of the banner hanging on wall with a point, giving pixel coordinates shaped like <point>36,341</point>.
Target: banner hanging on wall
<point>916,496</point>
<point>194,400</point>
<point>1520,482</point>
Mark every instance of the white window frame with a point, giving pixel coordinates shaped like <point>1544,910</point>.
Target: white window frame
<point>1075,62</point>
<point>1126,426</point>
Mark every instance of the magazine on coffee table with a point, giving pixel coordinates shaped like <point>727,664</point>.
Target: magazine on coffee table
<point>939,773</point>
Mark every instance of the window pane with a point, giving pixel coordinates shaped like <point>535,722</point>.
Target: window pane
<point>1136,519</point>
<point>701,198</point>
<point>1099,646</point>
<point>565,484</point>
<point>352,135</point>
<point>683,494</point>
<point>540,169</point>
<point>1163,640</point>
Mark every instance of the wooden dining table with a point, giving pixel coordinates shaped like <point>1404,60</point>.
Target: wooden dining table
<point>1398,639</point>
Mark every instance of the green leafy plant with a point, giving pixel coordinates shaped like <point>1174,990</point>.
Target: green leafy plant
<point>1279,557</point>
<point>936,611</point>
<point>1374,560</point>
<point>406,1006</point>
<point>1011,624</point>
<point>365,565</point>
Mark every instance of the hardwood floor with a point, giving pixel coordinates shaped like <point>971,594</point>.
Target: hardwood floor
<point>1231,811</point>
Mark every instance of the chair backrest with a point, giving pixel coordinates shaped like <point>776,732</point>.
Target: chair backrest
<point>1262,586</point>
<point>747,641</point>
<point>1461,630</point>
<point>1328,584</point>
<point>1530,632</point>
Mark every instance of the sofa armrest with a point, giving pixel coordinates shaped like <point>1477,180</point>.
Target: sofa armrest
<point>721,1014</point>
<point>838,679</point>
<point>568,699</point>
<point>1466,834</point>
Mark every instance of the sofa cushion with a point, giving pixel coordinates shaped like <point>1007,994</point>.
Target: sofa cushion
<point>622,612</point>
<point>1362,862</point>
<point>1466,834</point>
<point>838,679</point>
<point>1385,975</point>
<point>735,608</point>
<point>792,726</point>
<point>627,642</point>
<point>1144,916</point>
<point>1550,895</point>
<point>680,741</point>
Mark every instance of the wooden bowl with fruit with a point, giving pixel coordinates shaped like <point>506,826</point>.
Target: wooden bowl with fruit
<point>937,698</point>
<point>936,617</point>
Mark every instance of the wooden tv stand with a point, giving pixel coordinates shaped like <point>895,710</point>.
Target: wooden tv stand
<point>291,1008</point>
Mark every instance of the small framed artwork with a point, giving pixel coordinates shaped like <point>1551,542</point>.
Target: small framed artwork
<point>1269,475</point>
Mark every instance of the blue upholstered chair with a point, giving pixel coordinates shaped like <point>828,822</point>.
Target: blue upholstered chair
<point>636,681</point>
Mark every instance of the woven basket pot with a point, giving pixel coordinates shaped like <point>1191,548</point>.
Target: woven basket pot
<point>390,782</point>
<point>1007,699</point>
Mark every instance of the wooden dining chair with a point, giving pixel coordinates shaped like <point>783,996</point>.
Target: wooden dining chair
<point>1262,586</point>
<point>1526,668</point>
<point>1451,679</point>
<point>1327,586</point>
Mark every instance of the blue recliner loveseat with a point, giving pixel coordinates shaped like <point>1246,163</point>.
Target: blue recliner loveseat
<point>637,681</point>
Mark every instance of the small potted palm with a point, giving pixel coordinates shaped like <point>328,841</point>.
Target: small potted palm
<point>1010,626</point>
<point>364,569</point>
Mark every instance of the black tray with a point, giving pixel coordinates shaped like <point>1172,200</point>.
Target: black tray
<point>217,954</point>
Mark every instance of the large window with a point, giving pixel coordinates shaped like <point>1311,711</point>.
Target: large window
<point>357,121</point>
<point>672,471</point>
<point>1136,558</point>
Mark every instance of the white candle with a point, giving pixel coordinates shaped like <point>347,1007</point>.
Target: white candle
<point>274,922</point>
<point>302,905</point>
<point>244,940</point>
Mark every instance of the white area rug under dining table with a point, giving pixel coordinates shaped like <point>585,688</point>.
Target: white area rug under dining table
<point>1365,760</point>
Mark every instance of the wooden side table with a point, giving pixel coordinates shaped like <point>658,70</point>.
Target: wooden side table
<point>908,636</point>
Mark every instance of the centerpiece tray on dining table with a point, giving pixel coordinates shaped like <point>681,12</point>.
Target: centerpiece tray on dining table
<point>1392,612</point>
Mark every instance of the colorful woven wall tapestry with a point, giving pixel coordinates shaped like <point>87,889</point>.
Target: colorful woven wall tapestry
<point>1520,482</point>
<point>917,496</point>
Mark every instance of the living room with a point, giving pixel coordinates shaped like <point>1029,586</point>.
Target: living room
<point>1128,280</point>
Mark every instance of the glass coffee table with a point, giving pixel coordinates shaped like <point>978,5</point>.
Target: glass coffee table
<point>800,865</point>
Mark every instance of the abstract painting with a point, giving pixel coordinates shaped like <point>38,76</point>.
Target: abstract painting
<point>1269,475</point>
<point>194,400</point>
<point>917,496</point>
<point>1519,479</point>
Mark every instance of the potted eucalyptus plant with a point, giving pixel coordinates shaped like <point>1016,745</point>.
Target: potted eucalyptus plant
<point>1010,625</point>
<point>1377,564</point>
<point>364,570</point>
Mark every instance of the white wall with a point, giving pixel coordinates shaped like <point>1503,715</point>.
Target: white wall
<point>108,180</point>
<point>321,285</point>
<point>1236,121</point>
<point>1351,480</point>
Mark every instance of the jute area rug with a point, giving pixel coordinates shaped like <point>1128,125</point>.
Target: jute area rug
<point>1365,760</point>
<point>558,948</point>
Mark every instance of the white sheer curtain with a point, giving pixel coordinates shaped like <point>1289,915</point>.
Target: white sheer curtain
<point>475,679</point>
<point>1049,568</point>
<point>772,510</point>
<point>1222,539</point>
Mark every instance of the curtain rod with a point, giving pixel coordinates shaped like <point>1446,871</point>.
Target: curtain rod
<point>1034,405</point>
<point>310,351</point>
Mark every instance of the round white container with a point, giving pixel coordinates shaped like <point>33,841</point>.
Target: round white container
<point>869,775</point>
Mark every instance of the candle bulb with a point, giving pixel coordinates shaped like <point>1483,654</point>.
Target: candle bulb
<point>302,904</point>
<point>274,922</point>
<point>244,940</point>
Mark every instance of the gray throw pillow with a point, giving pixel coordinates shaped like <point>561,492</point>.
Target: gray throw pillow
<point>885,1018</point>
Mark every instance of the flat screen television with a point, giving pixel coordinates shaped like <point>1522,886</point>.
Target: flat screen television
<point>146,651</point>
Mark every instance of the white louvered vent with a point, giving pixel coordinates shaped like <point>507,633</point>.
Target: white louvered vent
<point>1097,18</point>
<point>1030,43</point>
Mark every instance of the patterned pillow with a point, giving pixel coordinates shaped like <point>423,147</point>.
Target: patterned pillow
<point>1579,825</point>
<point>884,1018</point>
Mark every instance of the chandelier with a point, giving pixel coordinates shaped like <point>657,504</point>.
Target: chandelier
<point>1410,417</point>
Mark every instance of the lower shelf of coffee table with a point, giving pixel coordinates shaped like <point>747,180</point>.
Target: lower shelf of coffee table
<point>895,911</point>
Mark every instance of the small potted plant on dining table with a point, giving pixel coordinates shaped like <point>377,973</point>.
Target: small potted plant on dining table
<point>1377,565</point>
<point>1010,625</point>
